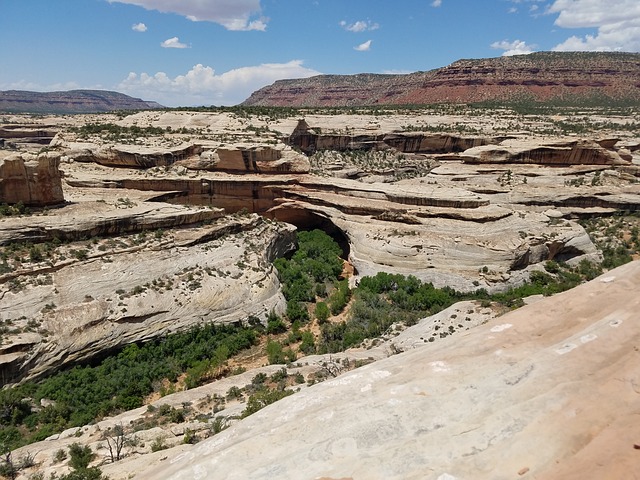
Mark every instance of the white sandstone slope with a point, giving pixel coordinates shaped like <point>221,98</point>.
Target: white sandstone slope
<point>551,390</point>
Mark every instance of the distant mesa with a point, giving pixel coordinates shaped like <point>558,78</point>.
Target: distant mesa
<point>72,101</point>
<point>566,78</point>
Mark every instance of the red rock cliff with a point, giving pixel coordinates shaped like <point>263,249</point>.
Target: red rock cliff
<point>569,77</point>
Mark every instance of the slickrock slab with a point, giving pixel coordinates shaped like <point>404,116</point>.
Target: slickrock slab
<point>547,391</point>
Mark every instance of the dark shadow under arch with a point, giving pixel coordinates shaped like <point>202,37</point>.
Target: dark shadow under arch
<point>308,220</point>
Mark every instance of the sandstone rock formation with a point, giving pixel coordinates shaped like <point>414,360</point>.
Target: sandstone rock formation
<point>182,232</point>
<point>546,391</point>
<point>33,180</point>
<point>101,295</point>
<point>309,141</point>
<point>567,77</point>
<point>30,134</point>
<point>558,153</point>
<point>238,159</point>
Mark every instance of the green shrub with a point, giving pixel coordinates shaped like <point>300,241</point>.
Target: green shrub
<point>80,456</point>
<point>274,352</point>
<point>259,379</point>
<point>158,444</point>
<point>308,345</point>
<point>60,455</point>
<point>261,399</point>
<point>322,312</point>
<point>234,392</point>
<point>297,311</point>
<point>339,298</point>
<point>275,324</point>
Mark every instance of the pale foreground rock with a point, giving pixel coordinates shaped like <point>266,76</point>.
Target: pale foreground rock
<point>547,391</point>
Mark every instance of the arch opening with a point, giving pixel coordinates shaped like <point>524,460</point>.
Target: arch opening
<point>307,220</point>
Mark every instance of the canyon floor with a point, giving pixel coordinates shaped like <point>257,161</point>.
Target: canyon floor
<point>170,219</point>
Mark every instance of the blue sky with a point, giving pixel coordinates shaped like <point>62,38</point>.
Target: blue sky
<point>216,52</point>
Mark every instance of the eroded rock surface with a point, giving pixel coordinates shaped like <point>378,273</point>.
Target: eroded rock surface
<point>84,299</point>
<point>172,232</point>
<point>546,391</point>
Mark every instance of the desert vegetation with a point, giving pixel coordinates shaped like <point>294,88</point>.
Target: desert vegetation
<point>117,383</point>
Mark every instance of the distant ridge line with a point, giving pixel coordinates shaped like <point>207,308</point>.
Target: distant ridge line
<point>70,101</point>
<point>596,78</point>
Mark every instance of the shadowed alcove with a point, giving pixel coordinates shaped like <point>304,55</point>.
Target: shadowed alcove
<point>307,220</point>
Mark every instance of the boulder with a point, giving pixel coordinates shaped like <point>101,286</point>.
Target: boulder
<point>33,180</point>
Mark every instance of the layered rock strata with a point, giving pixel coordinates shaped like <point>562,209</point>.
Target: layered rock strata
<point>555,153</point>
<point>410,228</point>
<point>72,101</point>
<point>564,77</point>
<point>238,159</point>
<point>88,298</point>
<point>310,140</point>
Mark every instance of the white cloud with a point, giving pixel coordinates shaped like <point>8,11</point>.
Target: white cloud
<point>232,14</point>
<point>173,42</point>
<point>359,26</point>
<point>436,3</point>
<point>517,47</point>
<point>618,26</point>
<point>363,47</point>
<point>139,27</point>
<point>202,86</point>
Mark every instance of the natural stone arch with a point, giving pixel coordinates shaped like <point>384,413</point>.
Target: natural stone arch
<point>306,219</point>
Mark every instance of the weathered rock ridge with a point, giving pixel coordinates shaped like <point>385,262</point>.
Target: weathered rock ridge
<point>308,140</point>
<point>408,228</point>
<point>237,158</point>
<point>558,152</point>
<point>17,134</point>
<point>571,77</point>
